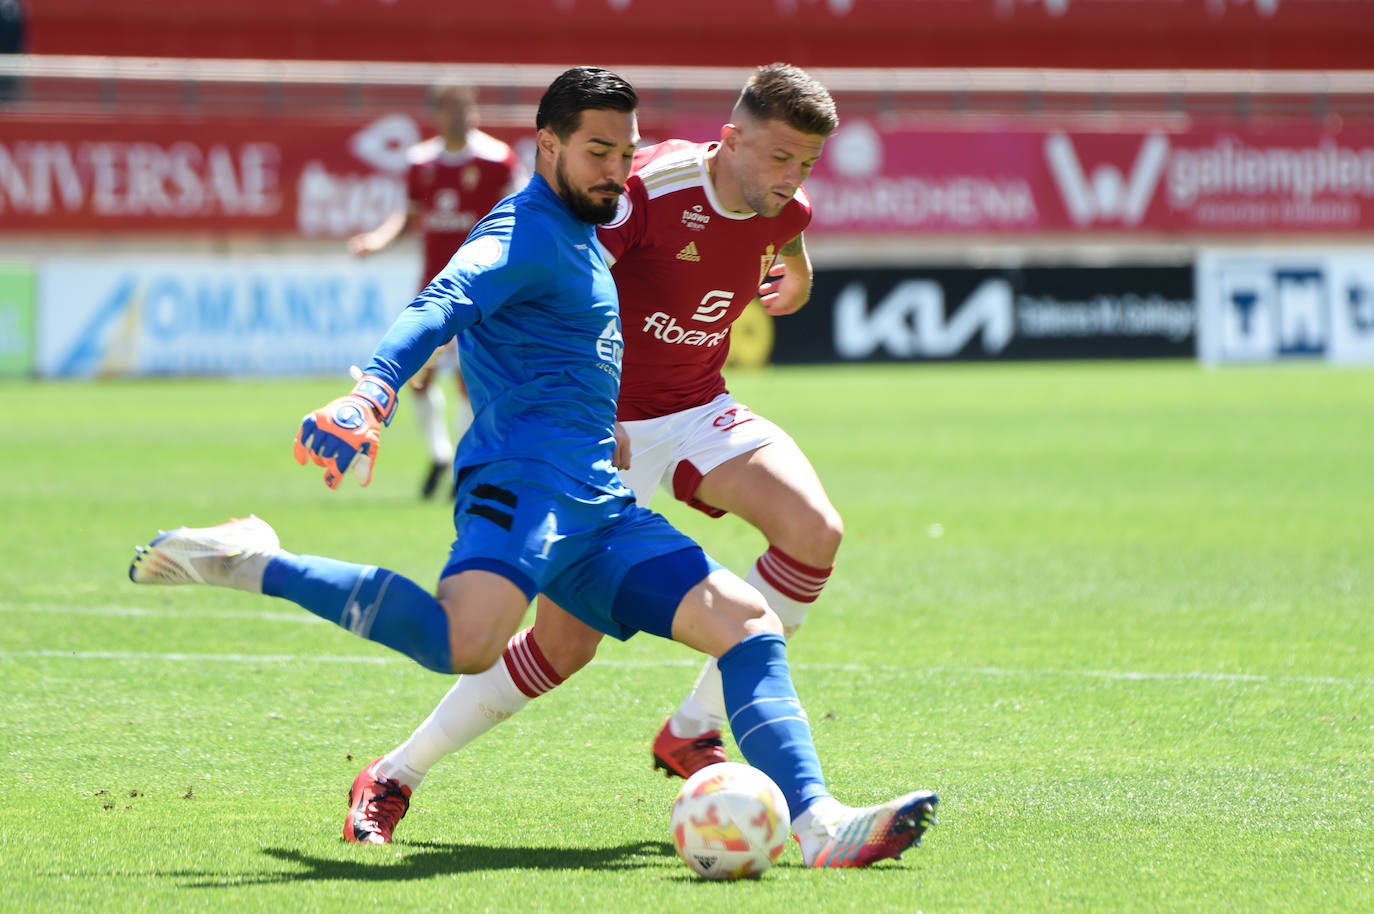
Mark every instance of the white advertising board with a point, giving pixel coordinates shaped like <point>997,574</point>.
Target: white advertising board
<point>1260,305</point>
<point>261,315</point>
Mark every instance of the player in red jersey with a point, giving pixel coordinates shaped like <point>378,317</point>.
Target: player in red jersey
<point>453,180</point>
<point>703,229</point>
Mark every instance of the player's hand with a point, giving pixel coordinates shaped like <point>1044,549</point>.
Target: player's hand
<point>347,432</point>
<point>620,457</point>
<point>782,294</point>
<point>363,244</point>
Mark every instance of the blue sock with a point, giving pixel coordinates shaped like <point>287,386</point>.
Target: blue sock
<point>371,602</point>
<point>767,719</point>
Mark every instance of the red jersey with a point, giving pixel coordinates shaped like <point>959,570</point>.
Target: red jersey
<point>685,268</point>
<point>455,189</point>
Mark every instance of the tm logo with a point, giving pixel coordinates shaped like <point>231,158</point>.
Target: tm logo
<point>1106,194</point>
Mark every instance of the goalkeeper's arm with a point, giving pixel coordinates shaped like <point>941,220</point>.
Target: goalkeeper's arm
<point>347,432</point>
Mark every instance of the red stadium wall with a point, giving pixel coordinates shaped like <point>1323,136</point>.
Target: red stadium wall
<point>1299,179</point>
<point>1244,34</point>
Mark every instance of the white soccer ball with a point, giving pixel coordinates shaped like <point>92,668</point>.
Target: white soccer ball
<point>730,821</point>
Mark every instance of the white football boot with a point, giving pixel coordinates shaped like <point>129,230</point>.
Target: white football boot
<point>232,554</point>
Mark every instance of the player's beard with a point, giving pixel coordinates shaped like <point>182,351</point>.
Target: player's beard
<point>581,203</point>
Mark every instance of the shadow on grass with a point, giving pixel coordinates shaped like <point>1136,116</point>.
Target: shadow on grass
<point>404,862</point>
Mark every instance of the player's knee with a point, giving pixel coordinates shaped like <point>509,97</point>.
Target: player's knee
<point>569,655</point>
<point>750,614</point>
<point>815,539</point>
<point>764,623</point>
<point>475,655</point>
<point>827,531</point>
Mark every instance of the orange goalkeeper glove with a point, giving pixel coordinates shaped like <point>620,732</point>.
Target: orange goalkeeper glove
<point>347,431</point>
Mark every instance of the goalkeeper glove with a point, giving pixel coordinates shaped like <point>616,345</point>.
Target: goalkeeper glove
<point>347,431</point>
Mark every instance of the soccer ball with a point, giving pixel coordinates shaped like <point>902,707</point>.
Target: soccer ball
<point>730,821</point>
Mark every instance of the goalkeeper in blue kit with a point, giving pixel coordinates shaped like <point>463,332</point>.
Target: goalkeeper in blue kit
<point>539,504</point>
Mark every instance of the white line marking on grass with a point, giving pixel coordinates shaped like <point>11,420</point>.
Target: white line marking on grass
<point>141,612</point>
<point>1142,676</point>
<point>1124,675</point>
<point>197,658</point>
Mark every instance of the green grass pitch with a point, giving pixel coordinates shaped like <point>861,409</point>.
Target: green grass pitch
<point>1117,614</point>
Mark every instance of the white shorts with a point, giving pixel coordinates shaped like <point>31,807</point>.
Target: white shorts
<point>675,451</point>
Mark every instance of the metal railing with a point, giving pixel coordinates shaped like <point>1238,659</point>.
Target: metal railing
<point>79,86</point>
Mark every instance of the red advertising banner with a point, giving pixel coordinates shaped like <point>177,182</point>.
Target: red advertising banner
<point>219,175</point>
<point>1202,181</point>
<point>328,180</point>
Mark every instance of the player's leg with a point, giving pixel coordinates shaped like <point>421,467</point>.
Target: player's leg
<point>776,490</point>
<point>431,414</point>
<point>371,602</point>
<point>774,487</point>
<point>652,578</point>
<point>498,510</point>
<point>476,703</point>
<point>486,586</point>
<point>722,614</point>
<point>536,660</point>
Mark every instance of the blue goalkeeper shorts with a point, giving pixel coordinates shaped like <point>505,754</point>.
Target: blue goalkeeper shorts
<point>616,566</point>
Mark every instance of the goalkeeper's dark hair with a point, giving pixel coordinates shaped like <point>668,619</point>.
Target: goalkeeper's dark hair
<point>782,92</point>
<point>582,89</point>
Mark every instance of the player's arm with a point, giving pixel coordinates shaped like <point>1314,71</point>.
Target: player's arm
<point>380,238</point>
<point>788,284</point>
<point>346,432</point>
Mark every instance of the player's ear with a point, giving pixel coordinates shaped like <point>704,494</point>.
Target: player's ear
<point>729,136</point>
<point>548,143</point>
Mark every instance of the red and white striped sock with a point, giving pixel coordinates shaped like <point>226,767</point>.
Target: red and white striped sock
<point>476,703</point>
<point>789,586</point>
<point>529,669</point>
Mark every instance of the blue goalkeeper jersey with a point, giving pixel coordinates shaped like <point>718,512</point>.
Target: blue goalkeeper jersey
<point>535,311</point>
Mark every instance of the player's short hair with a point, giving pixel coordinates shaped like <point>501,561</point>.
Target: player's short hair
<point>582,89</point>
<point>460,92</point>
<point>782,92</point>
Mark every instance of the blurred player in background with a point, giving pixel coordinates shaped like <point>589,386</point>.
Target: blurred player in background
<point>702,229</point>
<point>540,506</point>
<point>452,181</point>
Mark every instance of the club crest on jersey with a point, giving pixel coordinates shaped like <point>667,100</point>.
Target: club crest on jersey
<point>770,254</point>
<point>695,219</point>
<point>622,212</point>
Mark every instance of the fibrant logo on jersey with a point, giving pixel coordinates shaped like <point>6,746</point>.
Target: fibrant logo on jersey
<point>1266,305</point>
<point>101,317</point>
<point>1030,313</point>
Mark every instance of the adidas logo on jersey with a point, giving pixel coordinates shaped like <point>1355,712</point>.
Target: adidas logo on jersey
<point>689,253</point>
